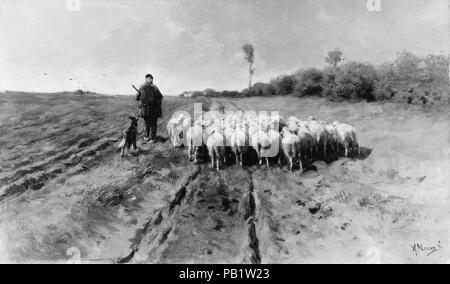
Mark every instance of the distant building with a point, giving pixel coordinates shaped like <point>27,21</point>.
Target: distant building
<point>186,94</point>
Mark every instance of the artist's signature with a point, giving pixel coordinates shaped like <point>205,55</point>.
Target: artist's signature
<point>419,248</point>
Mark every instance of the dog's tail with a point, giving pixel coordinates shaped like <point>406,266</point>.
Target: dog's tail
<point>121,144</point>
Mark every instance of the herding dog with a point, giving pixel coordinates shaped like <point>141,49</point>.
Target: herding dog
<point>129,136</point>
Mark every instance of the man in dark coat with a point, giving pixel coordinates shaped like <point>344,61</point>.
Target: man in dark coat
<point>150,99</point>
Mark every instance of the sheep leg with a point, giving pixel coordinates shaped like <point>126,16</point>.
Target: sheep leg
<point>301,166</point>
<point>195,155</point>
<point>356,144</point>
<point>123,151</point>
<point>290,164</point>
<point>218,157</point>
<point>267,162</point>
<point>259,157</point>
<point>218,163</point>
<point>346,152</point>
<point>258,151</point>
<point>189,153</point>
<point>213,161</point>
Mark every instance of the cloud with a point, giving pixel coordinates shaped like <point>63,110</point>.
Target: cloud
<point>326,17</point>
<point>193,44</point>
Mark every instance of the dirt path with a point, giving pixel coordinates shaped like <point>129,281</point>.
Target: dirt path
<point>211,219</point>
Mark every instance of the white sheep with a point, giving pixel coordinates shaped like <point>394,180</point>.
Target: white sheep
<point>258,139</point>
<point>239,119</point>
<point>290,143</point>
<point>212,117</point>
<point>320,135</point>
<point>177,124</point>
<point>293,124</point>
<point>237,140</point>
<point>273,148</point>
<point>276,119</point>
<point>333,137</point>
<point>216,147</point>
<point>230,120</point>
<point>204,121</point>
<point>208,131</point>
<point>194,141</point>
<point>347,136</point>
<point>250,118</point>
<point>263,120</point>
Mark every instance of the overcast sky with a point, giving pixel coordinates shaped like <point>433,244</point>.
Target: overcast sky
<point>196,44</point>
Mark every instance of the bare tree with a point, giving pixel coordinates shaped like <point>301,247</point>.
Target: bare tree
<point>249,56</point>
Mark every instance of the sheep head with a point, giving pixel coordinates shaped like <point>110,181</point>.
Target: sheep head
<point>285,131</point>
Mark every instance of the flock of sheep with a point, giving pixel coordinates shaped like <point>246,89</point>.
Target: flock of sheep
<point>231,135</point>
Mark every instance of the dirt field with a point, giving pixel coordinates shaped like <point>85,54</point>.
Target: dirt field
<point>66,195</point>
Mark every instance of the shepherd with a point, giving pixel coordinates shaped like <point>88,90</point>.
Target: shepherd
<point>150,100</point>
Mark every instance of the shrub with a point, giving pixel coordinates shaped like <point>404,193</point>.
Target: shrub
<point>407,67</point>
<point>356,81</point>
<point>436,67</point>
<point>329,83</point>
<point>384,86</point>
<point>411,79</point>
<point>197,94</point>
<point>211,93</point>
<point>308,82</point>
<point>230,94</point>
<point>262,89</point>
<point>283,85</point>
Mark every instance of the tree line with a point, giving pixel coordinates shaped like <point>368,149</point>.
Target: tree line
<point>408,79</point>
